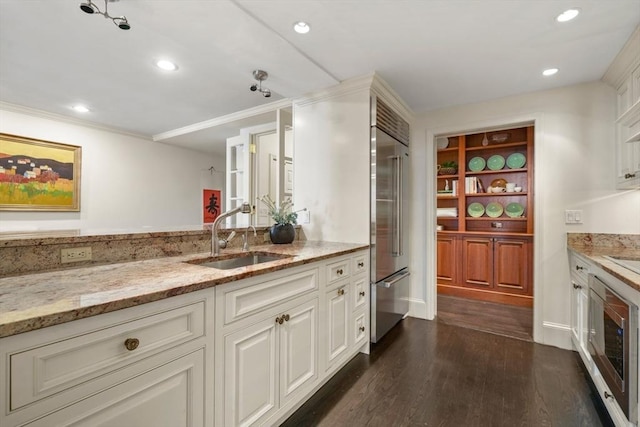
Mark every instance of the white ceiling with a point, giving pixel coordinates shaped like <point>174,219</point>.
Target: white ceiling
<point>433,53</point>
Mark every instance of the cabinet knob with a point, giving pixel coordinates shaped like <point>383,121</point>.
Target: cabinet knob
<point>579,267</point>
<point>286,317</point>
<point>629,175</point>
<point>608,396</point>
<point>361,328</point>
<point>131,343</point>
<point>279,320</point>
<point>576,286</point>
<point>361,264</point>
<point>340,291</point>
<point>362,293</point>
<point>339,272</point>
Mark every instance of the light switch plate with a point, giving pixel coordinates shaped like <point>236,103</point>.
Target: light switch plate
<point>304,217</point>
<point>573,217</point>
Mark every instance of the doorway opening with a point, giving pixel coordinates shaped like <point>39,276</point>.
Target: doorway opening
<point>485,196</point>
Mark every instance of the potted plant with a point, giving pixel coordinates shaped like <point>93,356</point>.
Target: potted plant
<point>448,168</point>
<point>285,218</point>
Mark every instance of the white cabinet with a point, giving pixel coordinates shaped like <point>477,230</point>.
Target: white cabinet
<point>337,324</point>
<point>170,395</point>
<point>579,303</point>
<point>101,370</point>
<point>280,337</point>
<point>624,75</point>
<point>267,362</point>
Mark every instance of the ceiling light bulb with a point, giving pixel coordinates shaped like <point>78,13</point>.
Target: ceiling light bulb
<point>549,72</point>
<point>80,109</point>
<point>567,15</point>
<point>166,65</point>
<point>301,27</point>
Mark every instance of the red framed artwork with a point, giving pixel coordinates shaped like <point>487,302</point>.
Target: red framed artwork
<point>211,205</point>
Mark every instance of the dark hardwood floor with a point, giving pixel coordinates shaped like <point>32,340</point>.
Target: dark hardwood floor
<point>501,319</point>
<point>427,373</point>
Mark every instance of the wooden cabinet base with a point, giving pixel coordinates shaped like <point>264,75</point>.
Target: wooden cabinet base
<point>484,295</point>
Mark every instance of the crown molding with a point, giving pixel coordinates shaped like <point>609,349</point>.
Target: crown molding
<point>382,89</point>
<point>625,62</point>
<point>239,115</point>
<point>66,119</point>
<point>345,87</point>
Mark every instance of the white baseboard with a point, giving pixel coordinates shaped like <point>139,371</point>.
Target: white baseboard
<point>418,309</point>
<point>557,335</point>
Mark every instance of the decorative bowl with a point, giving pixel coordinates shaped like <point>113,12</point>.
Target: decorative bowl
<point>447,171</point>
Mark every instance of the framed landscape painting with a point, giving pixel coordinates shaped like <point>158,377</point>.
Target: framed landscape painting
<point>38,175</point>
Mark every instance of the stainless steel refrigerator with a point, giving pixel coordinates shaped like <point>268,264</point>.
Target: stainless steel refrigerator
<point>390,286</point>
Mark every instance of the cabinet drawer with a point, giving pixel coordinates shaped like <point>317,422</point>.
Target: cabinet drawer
<point>360,292</point>
<point>253,298</point>
<point>360,263</point>
<point>338,270</point>
<point>52,368</point>
<point>360,332</point>
<point>579,268</point>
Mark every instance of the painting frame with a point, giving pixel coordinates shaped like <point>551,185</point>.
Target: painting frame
<point>37,186</point>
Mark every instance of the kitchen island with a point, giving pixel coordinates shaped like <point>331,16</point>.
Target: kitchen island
<point>168,342</point>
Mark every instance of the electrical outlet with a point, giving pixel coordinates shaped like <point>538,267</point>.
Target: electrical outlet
<point>75,254</point>
<point>304,217</point>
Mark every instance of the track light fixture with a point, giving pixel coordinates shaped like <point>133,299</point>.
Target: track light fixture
<point>90,7</point>
<point>260,76</point>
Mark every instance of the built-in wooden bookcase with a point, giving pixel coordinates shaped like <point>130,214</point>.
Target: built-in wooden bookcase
<point>486,256</point>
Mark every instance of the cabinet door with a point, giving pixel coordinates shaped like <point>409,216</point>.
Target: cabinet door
<point>477,262</point>
<point>250,360</point>
<point>298,349</point>
<point>575,313</point>
<point>171,395</point>
<point>583,313</point>
<point>337,309</point>
<point>447,265</point>
<point>512,266</point>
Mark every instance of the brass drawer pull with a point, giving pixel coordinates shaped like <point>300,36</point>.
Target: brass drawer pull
<point>579,267</point>
<point>629,175</point>
<point>339,272</point>
<point>279,320</point>
<point>362,293</point>
<point>361,328</point>
<point>131,343</point>
<point>340,291</point>
<point>286,317</point>
<point>576,286</point>
<point>361,264</point>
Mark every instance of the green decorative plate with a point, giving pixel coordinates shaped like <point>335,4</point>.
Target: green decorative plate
<point>514,210</point>
<point>495,162</point>
<point>494,209</point>
<point>476,164</point>
<point>516,160</point>
<point>475,210</point>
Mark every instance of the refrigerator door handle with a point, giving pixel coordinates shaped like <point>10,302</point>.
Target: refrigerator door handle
<point>397,198</point>
<point>396,279</point>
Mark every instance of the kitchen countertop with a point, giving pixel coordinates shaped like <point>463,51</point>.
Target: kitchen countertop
<point>596,254</point>
<point>35,301</point>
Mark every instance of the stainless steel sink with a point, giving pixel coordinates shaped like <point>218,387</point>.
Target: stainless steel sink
<point>230,262</point>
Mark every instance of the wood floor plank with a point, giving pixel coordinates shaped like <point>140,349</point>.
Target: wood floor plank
<point>427,373</point>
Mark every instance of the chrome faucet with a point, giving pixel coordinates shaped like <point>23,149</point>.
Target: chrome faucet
<point>245,237</point>
<point>217,244</point>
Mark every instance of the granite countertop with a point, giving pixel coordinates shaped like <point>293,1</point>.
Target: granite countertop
<point>596,254</point>
<point>35,301</point>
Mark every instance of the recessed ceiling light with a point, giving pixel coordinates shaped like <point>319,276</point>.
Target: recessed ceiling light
<point>80,109</point>
<point>301,27</point>
<point>549,71</point>
<point>166,65</point>
<point>567,15</point>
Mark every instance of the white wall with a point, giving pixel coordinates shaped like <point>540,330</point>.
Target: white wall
<point>127,183</point>
<point>331,166</point>
<point>574,169</point>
